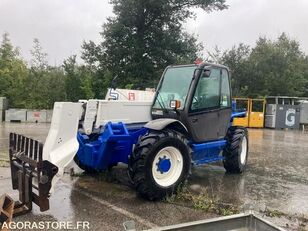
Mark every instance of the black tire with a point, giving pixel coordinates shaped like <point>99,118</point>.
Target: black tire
<point>233,149</point>
<point>85,168</point>
<point>142,159</point>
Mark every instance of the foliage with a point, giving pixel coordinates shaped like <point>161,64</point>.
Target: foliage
<point>270,68</point>
<point>237,59</point>
<point>202,200</point>
<point>39,57</point>
<point>44,84</point>
<point>138,44</point>
<point>144,37</point>
<point>39,85</point>
<point>13,72</point>
<point>78,82</point>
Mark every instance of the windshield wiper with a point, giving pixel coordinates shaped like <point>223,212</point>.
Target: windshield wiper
<point>160,102</point>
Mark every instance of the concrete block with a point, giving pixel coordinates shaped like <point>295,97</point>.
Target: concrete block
<point>16,115</point>
<point>2,115</point>
<point>4,103</point>
<point>37,116</point>
<point>49,116</point>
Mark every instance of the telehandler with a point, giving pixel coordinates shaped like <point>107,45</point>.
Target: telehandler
<point>188,123</point>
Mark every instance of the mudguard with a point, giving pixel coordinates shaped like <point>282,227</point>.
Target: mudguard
<point>160,124</point>
<point>240,114</point>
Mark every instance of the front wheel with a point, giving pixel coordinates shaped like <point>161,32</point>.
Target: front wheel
<point>159,164</point>
<point>236,150</point>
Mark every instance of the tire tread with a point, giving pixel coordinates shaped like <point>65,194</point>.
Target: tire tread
<point>231,153</point>
<point>138,159</point>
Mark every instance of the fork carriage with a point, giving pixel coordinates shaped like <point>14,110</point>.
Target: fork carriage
<point>31,175</point>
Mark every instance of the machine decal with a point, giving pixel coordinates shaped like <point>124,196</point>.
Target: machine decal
<point>290,117</point>
<point>131,96</point>
<point>113,95</point>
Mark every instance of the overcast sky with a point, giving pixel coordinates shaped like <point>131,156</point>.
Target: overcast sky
<point>62,25</point>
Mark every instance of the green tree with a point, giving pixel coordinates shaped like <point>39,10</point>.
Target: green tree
<point>45,84</point>
<point>55,86</point>
<point>237,59</point>
<point>144,37</point>
<point>101,76</point>
<point>13,73</point>
<point>276,67</point>
<point>39,57</point>
<point>37,79</point>
<point>78,82</point>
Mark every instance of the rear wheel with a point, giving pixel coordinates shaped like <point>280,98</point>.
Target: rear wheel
<point>159,164</point>
<point>236,150</point>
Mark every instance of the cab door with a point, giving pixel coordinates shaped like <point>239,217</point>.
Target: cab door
<point>210,109</point>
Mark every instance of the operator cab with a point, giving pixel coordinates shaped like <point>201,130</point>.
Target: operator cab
<point>199,96</point>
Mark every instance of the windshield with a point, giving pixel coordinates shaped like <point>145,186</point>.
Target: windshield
<point>175,86</point>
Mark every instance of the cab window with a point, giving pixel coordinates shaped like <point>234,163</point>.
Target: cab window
<point>225,98</point>
<point>212,92</point>
<point>207,92</point>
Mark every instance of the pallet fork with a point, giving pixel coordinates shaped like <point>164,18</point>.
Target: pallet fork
<point>31,175</point>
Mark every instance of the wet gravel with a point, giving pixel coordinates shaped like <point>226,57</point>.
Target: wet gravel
<point>276,178</point>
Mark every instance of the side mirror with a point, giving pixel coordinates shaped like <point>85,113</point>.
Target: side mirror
<point>206,72</point>
<point>175,104</point>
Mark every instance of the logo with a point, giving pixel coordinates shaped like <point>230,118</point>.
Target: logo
<point>113,94</point>
<point>36,114</point>
<point>131,96</point>
<point>290,117</point>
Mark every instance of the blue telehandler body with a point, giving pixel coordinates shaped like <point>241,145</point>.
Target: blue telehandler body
<point>191,123</point>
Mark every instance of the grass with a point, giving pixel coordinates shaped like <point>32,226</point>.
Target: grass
<point>207,202</point>
<point>4,163</point>
<point>273,213</point>
<point>202,201</point>
<point>302,219</point>
<point>4,159</point>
